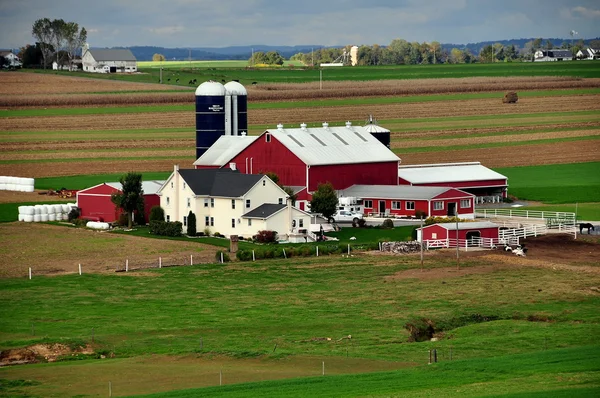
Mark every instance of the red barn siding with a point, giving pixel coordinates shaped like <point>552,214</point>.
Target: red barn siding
<point>95,203</point>
<point>343,176</point>
<point>402,212</point>
<point>262,157</point>
<point>443,233</point>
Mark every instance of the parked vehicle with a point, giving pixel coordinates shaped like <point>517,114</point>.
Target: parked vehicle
<point>346,216</point>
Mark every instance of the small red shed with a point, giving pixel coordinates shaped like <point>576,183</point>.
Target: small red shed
<point>405,201</point>
<point>95,203</point>
<point>466,231</point>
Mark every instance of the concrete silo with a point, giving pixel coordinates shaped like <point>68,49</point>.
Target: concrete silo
<point>210,115</point>
<point>236,109</point>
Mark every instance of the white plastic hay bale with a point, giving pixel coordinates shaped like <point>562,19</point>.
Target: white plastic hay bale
<point>30,210</point>
<point>3,179</point>
<point>21,209</point>
<point>65,208</point>
<point>52,217</point>
<point>38,209</point>
<point>44,209</point>
<point>28,218</point>
<point>43,217</point>
<point>29,188</point>
<point>30,181</point>
<point>10,187</point>
<point>58,208</point>
<point>37,217</point>
<point>65,216</point>
<point>2,186</point>
<point>97,225</point>
<point>50,209</point>
<point>21,217</point>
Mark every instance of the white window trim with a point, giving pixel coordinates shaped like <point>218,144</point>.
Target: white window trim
<point>410,205</point>
<point>438,205</point>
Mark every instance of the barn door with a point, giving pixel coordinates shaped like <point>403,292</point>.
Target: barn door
<point>382,206</point>
<point>451,209</point>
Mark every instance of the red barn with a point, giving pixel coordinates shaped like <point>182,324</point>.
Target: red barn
<point>473,177</point>
<point>466,231</point>
<point>404,201</point>
<point>308,156</point>
<point>95,203</point>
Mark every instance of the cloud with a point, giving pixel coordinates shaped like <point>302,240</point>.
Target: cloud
<point>587,12</point>
<point>167,30</point>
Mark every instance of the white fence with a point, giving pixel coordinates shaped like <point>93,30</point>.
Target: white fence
<point>553,221</point>
<point>472,243</point>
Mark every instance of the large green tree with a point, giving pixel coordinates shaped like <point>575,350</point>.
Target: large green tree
<point>131,197</point>
<point>74,40</point>
<point>42,32</point>
<point>324,200</point>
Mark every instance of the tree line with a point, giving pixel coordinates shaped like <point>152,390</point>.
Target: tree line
<point>55,40</point>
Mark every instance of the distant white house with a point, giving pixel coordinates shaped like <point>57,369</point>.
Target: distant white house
<point>555,54</point>
<point>108,61</point>
<point>13,60</point>
<point>231,203</point>
<point>588,53</point>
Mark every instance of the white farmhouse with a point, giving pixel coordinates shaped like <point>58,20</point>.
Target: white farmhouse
<point>588,53</point>
<point>11,59</point>
<point>108,61</point>
<point>232,203</point>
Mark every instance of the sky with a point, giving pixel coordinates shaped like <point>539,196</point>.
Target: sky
<point>221,23</point>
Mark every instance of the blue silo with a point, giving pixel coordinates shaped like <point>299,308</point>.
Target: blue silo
<point>236,108</point>
<point>210,115</point>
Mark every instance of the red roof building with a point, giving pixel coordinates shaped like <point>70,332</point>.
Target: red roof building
<point>95,203</point>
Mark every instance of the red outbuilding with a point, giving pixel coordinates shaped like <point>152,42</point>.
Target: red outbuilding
<point>405,201</point>
<point>308,156</point>
<point>488,185</point>
<point>445,234</point>
<point>95,203</point>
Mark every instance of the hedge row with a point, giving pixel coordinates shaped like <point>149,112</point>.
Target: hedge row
<point>164,228</point>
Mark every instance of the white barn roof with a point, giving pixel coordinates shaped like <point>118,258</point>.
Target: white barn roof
<point>447,172</point>
<point>393,192</point>
<point>150,187</point>
<point>224,149</point>
<point>333,145</point>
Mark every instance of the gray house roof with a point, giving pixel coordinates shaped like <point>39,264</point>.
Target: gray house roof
<point>112,55</point>
<point>219,182</point>
<point>265,210</point>
<point>407,192</point>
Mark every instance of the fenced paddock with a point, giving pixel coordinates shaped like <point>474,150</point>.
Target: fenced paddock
<point>533,221</point>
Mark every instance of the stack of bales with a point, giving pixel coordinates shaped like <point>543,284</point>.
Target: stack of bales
<point>97,225</point>
<point>16,184</point>
<point>42,213</point>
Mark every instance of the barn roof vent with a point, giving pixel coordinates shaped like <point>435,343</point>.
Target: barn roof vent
<point>303,126</point>
<point>325,125</point>
<point>348,124</point>
<point>279,126</point>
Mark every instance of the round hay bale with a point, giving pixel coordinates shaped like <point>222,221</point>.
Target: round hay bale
<point>510,97</point>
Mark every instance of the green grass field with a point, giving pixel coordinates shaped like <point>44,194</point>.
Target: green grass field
<point>294,74</point>
<point>562,183</point>
<point>241,311</point>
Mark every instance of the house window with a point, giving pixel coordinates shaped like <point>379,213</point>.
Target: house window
<point>184,221</point>
<point>249,222</point>
<point>410,205</point>
<point>465,203</point>
<point>189,202</point>
<point>233,223</point>
<point>301,223</point>
<point>247,203</point>
<point>212,222</point>
<point>212,202</point>
<point>264,183</point>
<point>267,137</point>
<point>206,202</point>
<point>395,205</point>
<point>168,201</point>
<point>368,204</point>
<point>171,184</point>
<point>280,201</point>
<point>184,185</point>
<point>233,203</point>
<point>168,218</point>
<point>438,205</point>
<point>433,235</point>
<point>206,221</point>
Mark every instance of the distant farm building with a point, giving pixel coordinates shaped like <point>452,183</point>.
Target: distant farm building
<point>486,184</point>
<point>443,235</point>
<point>553,55</point>
<point>406,201</point>
<point>108,60</point>
<point>95,202</point>
<point>588,53</point>
<point>12,61</point>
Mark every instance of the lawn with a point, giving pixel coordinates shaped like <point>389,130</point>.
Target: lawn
<point>555,184</point>
<point>280,310</point>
